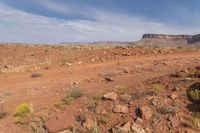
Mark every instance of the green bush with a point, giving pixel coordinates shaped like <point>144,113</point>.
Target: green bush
<point>76,93</point>
<point>158,88</point>
<point>194,121</point>
<point>194,92</point>
<point>22,113</point>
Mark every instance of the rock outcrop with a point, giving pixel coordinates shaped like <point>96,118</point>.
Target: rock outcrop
<point>169,40</point>
<point>168,37</point>
<point>194,39</point>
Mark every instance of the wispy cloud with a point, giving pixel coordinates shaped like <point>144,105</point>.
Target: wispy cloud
<point>20,26</point>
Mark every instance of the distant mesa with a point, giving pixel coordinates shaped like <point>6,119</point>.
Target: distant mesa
<point>194,39</point>
<point>168,37</point>
<point>169,40</point>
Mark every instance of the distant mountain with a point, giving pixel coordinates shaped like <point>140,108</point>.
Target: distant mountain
<point>169,40</point>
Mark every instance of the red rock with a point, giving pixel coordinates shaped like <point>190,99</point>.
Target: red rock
<point>174,121</point>
<point>137,128</point>
<point>120,109</point>
<point>100,110</point>
<point>110,96</point>
<point>173,96</point>
<point>88,123</point>
<point>60,123</point>
<point>146,112</point>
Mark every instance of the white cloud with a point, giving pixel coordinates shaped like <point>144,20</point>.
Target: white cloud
<point>20,26</point>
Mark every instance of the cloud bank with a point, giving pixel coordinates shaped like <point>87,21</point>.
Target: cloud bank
<point>23,27</point>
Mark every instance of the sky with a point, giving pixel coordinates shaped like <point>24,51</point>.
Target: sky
<point>55,21</point>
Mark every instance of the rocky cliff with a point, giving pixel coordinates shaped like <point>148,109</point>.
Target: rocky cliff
<point>194,39</point>
<point>169,40</point>
<point>169,37</point>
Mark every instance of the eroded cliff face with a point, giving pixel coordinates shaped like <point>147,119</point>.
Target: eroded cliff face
<point>169,40</point>
<point>169,37</point>
<point>194,39</point>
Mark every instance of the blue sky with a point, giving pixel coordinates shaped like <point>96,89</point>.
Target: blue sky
<point>54,21</point>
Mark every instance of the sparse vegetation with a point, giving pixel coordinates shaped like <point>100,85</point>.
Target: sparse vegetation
<point>138,95</point>
<point>165,110</point>
<point>157,88</point>
<point>76,93</point>
<point>91,105</point>
<point>97,96</point>
<point>73,94</point>
<point>194,92</point>
<point>94,128</point>
<point>194,121</point>
<point>103,119</point>
<point>23,113</point>
<point>122,89</point>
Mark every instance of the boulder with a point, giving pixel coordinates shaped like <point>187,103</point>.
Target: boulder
<point>137,128</point>
<point>88,123</point>
<point>173,96</point>
<point>110,96</point>
<point>146,112</point>
<point>174,121</point>
<point>60,123</point>
<point>120,109</point>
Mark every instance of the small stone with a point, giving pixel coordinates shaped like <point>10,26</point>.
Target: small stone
<point>150,98</point>
<point>81,118</point>
<point>120,109</point>
<point>138,120</point>
<point>176,89</point>
<point>100,110</point>
<point>109,79</point>
<point>146,112</point>
<point>173,96</point>
<point>69,64</point>
<point>88,123</point>
<point>137,128</point>
<point>174,121</point>
<point>126,128</point>
<point>66,131</point>
<point>79,62</point>
<point>110,96</point>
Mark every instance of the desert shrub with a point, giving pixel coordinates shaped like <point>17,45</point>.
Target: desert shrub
<point>102,119</point>
<point>165,110</point>
<point>122,89</point>
<point>36,75</point>
<point>194,92</point>
<point>73,94</point>
<point>138,95</point>
<point>22,113</point>
<point>194,121</point>
<point>91,105</point>
<point>67,99</point>
<point>157,88</point>
<point>76,93</point>
<point>126,98</point>
<point>94,128</point>
<point>98,96</point>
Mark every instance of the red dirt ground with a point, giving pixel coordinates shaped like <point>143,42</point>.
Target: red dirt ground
<point>63,67</point>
